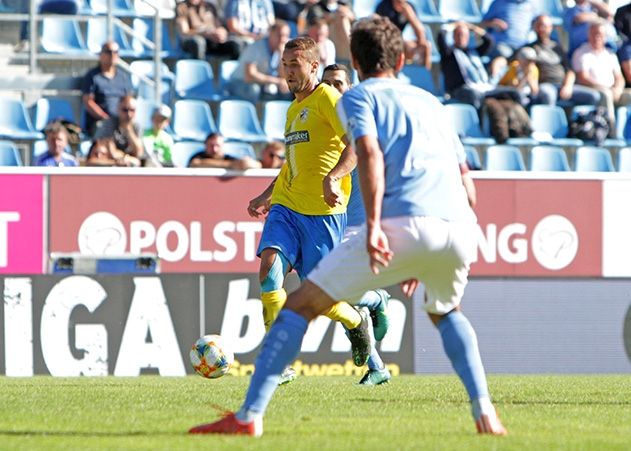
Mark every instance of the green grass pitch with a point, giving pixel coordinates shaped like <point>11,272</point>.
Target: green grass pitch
<point>320,413</point>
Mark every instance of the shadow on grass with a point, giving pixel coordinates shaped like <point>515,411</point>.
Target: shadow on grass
<point>91,434</point>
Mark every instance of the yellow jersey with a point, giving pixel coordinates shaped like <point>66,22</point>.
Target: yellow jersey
<point>313,140</point>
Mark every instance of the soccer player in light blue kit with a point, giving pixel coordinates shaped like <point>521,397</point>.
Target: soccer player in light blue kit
<point>419,227</point>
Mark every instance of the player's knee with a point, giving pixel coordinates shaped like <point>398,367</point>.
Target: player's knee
<point>309,301</point>
<point>272,273</point>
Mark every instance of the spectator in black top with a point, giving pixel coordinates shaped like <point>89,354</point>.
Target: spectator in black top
<point>103,87</point>
<point>466,79</point>
<point>401,13</point>
<point>556,77</point>
<point>622,21</point>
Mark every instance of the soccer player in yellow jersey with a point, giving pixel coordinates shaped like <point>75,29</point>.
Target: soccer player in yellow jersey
<point>306,203</point>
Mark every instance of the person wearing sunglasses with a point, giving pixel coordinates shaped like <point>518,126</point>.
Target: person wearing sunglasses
<point>103,86</point>
<point>273,155</point>
<point>123,130</point>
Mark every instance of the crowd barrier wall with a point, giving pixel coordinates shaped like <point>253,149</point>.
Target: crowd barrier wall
<point>550,291</point>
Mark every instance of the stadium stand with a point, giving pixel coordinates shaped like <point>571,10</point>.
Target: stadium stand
<point>274,116</point>
<point>503,157</point>
<point>427,12</point>
<point>122,8</point>
<point>238,149</point>
<point>465,118</point>
<point>9,154</point>
<point>96,35</point>
<point>550,126</point>
<point>193,120</point>
<point>182,152</point>
<point>408,35</point>
<point>624,159</point>
<point>62,35</point>
<point>144,30</point>
<point>473,158</point>
<point>15,122</point>
<point>466,10</point>
<point>194,79</point>
<point>238,121</point>
<point>593,159</point>
<point>47,110</point>
<point>418,76</point>
<point>548,158</point>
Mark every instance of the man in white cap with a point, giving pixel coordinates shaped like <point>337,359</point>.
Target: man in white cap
<point>158,143</point>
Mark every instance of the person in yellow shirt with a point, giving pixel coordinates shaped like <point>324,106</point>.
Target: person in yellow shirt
<point>306,203</point>
<point>523,75</point>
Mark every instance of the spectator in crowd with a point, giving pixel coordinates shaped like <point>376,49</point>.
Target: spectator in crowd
<point>401,13</point>
<point>258,75</point>
<point>509,23</point>
<point>101,154</point>
<point>124,132</point>
<point>273,155</point>
<point>466,79</point>
<point>556,77</point>
<point>249,20</point>
<point>213,156</point>
<point>523,75</point>
<point>158,144</point>
<point>290,10</point>
<point>103,87</point>
<point>597,67</point>
<point>201,32</point>
<point>578,19</point>
<point>45,7</point>
<point>319,32</point>
<point>622,21</point>
<point>57,142</point>
<point>339,15</point>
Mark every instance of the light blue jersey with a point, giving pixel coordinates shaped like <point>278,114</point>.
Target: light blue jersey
<point>420,148</point>
<point>355,213</point>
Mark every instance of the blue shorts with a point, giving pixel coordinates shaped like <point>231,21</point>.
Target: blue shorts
<point>303,239</point>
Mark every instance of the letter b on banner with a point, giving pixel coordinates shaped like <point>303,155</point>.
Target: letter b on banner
<point>238,308</point>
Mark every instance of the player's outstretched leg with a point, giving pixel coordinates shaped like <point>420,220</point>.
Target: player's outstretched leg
<point>280,347</point>
<point>461,346</point>
<point>358,329</point>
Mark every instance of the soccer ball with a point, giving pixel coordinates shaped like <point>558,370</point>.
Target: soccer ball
<point>210,356</point>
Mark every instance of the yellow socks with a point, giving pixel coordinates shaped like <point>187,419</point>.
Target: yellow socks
<point>345,314</point>
<point>273,302</point>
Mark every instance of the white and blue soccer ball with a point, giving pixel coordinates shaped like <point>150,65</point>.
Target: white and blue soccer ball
<point>211,357</point>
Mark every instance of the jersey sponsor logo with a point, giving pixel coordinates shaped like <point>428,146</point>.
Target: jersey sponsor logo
<point>300,136</point>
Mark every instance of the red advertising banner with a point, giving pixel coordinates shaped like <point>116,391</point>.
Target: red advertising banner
<point>549,228</point>
<point>21,224</point>
<point>194,224</point>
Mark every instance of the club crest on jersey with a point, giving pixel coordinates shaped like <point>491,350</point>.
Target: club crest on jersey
<point>303,115</point>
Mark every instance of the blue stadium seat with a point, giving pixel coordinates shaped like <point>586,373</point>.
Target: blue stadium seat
<point>15,122</point>
<point>147,91</point>
<point>549,125</point>
<point>593,159</point>
<point>426,11</point>
<point>61,35</point>
<point>47,110</point>
<point>145,27</point>
<point>364,8</point>
<point>84,148</point>
<point>624,159</point>
<point>226,69</point>
<point>473,158</point>
<point>504,158</point>
<point>548,158</point>
<point>274,118</point>
<point>97,35</point>
<point>192,120</point>
<point>9,154</point>
<point>146,68</point>
<point>552,8</point>
<point>418,76</point>
<point>182,151</point>
<point>194,79</point>
<point>238,149</point>
<point>467,123</point>
<point>466,10</point>
<point>238,121</point>
<point>409,35</point>
<point>122,8</point>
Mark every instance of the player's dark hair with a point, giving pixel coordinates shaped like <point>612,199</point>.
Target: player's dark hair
<point>342,67</point>
<point>376,44</point>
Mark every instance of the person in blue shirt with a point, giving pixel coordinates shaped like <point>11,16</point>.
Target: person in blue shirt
<point>578,19</point>
<point>57,141</point>
<point>419,227</point>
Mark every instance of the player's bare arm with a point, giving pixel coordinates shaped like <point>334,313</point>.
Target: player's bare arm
<point>371,177</point>
<point>333,195</point>
<point>260,205</point>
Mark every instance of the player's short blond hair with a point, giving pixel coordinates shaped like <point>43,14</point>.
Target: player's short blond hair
<point>308,47</point>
